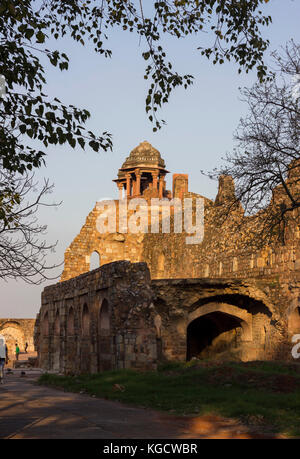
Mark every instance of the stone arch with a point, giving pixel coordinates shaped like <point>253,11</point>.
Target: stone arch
<point>104,317</point>
<point>85,348</point>
<point>57,324</point>
<point>56,342</point>
<point>244,300</point>
<point>70,322</point>
<point>294,321</point>
<point>104,337</point>
<point>94,260</point>
<point>13,333</point>
<point>244,316</point>
<point>218,329</point>
<point>85,320</point>
<point>161,263</point>
<point>71,360</point>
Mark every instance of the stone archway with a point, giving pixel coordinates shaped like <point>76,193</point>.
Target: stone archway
<point>85,345</point>
<point>104,338</point>
<point>94,260</point>
<point>218,330</point>
<point>56,343</point>
<point>13,333</point>
<point>71,359</point>
<point>294,321</point>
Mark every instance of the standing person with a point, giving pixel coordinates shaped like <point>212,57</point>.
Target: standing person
<point>17,351</point>
<point>26,346</point>
<point>3,357</point>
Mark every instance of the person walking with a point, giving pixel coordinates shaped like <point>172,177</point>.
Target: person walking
<point>17,351</point>
<point>3,357</point>
<point>26,346</point>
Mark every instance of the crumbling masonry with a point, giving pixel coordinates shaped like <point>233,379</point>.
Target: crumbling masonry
<point>155,298</point>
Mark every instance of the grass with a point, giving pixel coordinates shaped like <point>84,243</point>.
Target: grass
<point>264,393</point>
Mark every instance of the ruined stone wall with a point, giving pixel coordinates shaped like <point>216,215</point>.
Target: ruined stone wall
<point>224,251</point>
<point>243,317</point>
<point>246,294</point>
<point>98,321</point>
<point>110,247</point>
<point>117,317</point>
<point>18,331</point>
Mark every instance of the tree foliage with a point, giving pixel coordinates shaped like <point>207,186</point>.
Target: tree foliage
<point>23,254</point>
<point>28,114</point>
<point>266,162</point>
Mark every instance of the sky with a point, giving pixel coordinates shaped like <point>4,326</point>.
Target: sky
<point>199,132</point>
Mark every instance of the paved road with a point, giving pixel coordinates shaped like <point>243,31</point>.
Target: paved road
<point>31,411</point>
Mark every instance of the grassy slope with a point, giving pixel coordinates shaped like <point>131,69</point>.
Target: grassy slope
<point>264,393</point>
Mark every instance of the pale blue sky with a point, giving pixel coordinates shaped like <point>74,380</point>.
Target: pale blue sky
<point>199,130</point>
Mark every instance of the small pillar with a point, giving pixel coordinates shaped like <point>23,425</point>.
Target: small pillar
<point>161,186</point>
<point>128,184</point>
<point>154,180</point>
<point>138,182</point>
<point>120,187</point>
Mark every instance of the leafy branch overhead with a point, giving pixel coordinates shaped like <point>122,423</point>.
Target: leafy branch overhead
<point>23,254</point>
<point>25,26</point>
<point>265,164</point>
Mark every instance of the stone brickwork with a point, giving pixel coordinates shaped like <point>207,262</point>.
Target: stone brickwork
<point>98,321</point>
<point>117,317</point>
<point>171,300</point>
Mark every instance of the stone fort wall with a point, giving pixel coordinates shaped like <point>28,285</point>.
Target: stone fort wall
<point>117,317</point>
<point>157,298</point>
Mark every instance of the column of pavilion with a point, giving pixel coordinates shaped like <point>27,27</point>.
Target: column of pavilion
<point>133,187</point>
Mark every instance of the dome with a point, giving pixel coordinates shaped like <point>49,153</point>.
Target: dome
<point>144,155</point>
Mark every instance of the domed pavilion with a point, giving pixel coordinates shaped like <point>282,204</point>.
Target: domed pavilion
<point>142,174</point>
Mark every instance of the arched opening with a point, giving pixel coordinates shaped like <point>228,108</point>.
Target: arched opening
<point>94,260</point>
<point>146,181</point>
<point>85,321</point>
<point>56,343</point>
<point>70,322</point>
<point>104,338</point>
<point>161,263</point>
<point>85,342</point>
<point>57,325</point>
<point>104,319</point>
<point>294,321</point>
<point>71,355</point>
<point>13,334</point>
<point>214,334</point>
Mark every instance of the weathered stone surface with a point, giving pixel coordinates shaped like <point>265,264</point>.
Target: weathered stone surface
<point>171,300</point>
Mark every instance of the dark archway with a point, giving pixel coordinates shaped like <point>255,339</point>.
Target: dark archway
<point>85,321</point>
<point>104,338</point>
<point>212,334</point>
<point>85,342</point>
<point>294,321</point>
<point>70,322</point>
<point>56,343</point>
<point>71,347</point>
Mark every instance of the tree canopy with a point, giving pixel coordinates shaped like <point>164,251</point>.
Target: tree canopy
<point>28,114</point>
<point>266,162</point>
